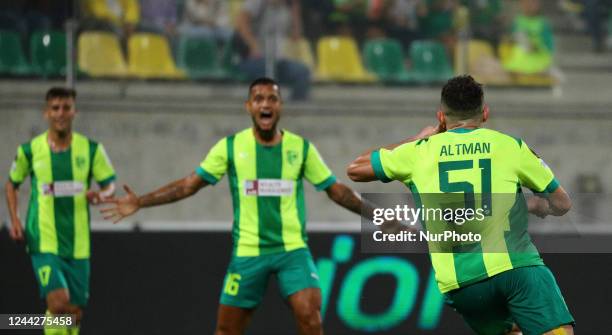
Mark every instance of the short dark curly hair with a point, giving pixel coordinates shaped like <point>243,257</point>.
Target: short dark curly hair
<point>462,98</point>
<point>60,92</point>
<point>262,81</point>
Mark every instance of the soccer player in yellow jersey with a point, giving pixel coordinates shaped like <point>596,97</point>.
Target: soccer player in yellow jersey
<point>265,167</point>
<point>495,286</point>
<point>61,164</point>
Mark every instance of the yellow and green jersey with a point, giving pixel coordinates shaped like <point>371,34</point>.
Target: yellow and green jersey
<point>58,213</point>
<point>486,169</point>
<point>267,189</point>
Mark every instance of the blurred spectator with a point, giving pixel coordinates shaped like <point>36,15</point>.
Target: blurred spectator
<point>262,29</point>
<point>158,16</point>
<point>206,18</point>
<point>533,47</point>
<point>403,18</point>
<point>595,15</point>
<point>486,20</point>
<point>120,16</point>
<point>438,23</point>
<point>25,16</point>
<point>315,16</point>
<point>352,18</point>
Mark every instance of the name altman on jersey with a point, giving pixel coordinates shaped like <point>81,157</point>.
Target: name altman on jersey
<point>425,236</point>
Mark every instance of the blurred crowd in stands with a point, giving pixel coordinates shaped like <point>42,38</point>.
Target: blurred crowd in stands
<point>495,37</point>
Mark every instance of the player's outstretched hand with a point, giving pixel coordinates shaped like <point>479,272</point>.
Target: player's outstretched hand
<point>16,231</point>
<point>122,207</point>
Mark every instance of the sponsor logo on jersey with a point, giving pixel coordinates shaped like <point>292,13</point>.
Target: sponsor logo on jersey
<point>269,187</point>
<point>63,188</point>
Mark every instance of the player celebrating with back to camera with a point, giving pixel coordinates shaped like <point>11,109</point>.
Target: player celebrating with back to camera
<point>495,287</point>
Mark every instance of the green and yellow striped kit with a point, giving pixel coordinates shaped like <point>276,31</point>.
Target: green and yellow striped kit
<point>267,189</point>
<point>488,168</point>
<point>58,215</point>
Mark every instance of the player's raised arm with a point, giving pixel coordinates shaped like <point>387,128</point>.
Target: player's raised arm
<point>361,170</point>
<point>172,192</point>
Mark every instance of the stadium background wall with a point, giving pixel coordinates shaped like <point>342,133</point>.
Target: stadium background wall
<point>151,147</point>
<point>169,283</point>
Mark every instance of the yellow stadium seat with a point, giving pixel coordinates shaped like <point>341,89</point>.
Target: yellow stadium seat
<point>505,51</point>
<point>299,51</point>
<point>469,53</point>
<point>150,57</point>
<point>99,55</point>
<point>477,58</point>
<point>339,60</point>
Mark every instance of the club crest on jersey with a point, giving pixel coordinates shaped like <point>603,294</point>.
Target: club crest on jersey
<point>80,162</point>
<point>292,157</point>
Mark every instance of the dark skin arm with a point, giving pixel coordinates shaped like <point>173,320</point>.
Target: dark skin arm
<point>172,192</point>
<point>349,199</point>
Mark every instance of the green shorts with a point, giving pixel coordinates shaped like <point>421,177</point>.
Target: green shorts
<point>54,272</point>
<point>247,277</point>
<point>528,296</point>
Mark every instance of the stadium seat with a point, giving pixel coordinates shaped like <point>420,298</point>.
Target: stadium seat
<point>230,59</point>
<point>100,55</point>
<point>12,58</point>
<point>150,57</point>
<point>339,60</point>
<point>477,57</point>
<point>299,50</point>
<point>48,53</point>
<point>385,58</point>
<point>467,53</point>
<point>430,62</point>
<point>198,57</point>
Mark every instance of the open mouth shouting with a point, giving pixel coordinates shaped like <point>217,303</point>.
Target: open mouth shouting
<point>266,119</point>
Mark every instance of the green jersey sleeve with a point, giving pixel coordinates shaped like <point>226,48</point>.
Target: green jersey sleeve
<point>316,171</point>
<point>534,173</point>
<point>396,164</point>
<point>103,171</point>
<point>20,168</point>
<point>214,165</point>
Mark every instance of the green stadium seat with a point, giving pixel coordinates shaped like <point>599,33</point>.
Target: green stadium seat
<point>430,63</point>
<point>385,58</point>
<point>48,53</point>
<point>229,63</point>
<point>12,58</point>
<point>199,58</point>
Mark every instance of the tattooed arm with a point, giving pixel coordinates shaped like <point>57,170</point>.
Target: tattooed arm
<point>131,203</point>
